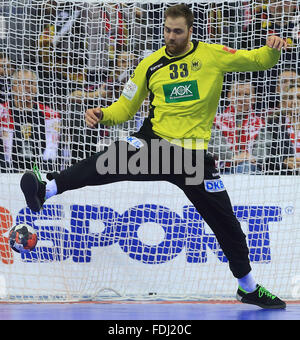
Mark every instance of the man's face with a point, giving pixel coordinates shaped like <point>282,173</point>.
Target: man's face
<point>5,68</point>
<point>242,97</point>
<point>24,89</point>
<point>294,99</point>
<point>279,8</point>
<point>177,36</point>
<point>285,80</point>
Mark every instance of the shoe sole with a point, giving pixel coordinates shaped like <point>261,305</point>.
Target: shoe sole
<point>30,186</point>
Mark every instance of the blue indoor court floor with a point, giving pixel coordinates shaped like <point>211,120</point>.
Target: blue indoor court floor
<point>144,311</point>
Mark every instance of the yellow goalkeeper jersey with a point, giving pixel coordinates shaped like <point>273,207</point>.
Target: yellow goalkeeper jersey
<point>184,91</point>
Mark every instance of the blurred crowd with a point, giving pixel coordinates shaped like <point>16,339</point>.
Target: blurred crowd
<point>60,58</point>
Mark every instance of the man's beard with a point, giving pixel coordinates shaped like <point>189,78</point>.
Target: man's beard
<point>174,49</point>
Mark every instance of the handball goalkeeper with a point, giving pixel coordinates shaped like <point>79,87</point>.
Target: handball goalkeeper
<point>184,81</point>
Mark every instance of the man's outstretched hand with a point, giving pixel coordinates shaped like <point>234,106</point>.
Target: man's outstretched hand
<point>93,117</point>
<point>276,42</point>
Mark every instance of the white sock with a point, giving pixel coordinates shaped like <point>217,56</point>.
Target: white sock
<point>51,189</point>
<point>247,283</point>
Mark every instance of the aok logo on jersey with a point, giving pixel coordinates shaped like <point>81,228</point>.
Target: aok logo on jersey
<point>180,92</point>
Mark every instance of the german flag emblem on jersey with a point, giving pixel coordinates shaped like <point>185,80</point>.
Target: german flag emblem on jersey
<point>230,50</point>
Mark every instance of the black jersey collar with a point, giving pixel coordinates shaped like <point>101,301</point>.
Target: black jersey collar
<point>192,50</point>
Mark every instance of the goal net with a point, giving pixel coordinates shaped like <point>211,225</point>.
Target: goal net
<point>143,240</point>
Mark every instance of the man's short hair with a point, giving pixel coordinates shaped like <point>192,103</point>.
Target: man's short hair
<point>181,10</point>
<point>20,75</point>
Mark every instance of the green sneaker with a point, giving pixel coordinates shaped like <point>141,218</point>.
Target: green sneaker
<point>34,189</point>
<point>260,297</point>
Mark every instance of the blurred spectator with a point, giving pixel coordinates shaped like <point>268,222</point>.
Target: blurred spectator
<point>277,148</point>
<point>273,17</point>
<point>221,21</point>
<point>286,79</point>
<point>125,64</point>
<point>235,131</point>
<point>77,49</point>
<point>104,93</point>
<point>6,70</point>
<point>123,25</point>
<point>268,18</point>
<point>61,66</point>
<point>29,129</point>
<point>78,46</point>
<point>293,125</point>
<point>92,93</point>
<point>85,141</point>
<point>61,50</point>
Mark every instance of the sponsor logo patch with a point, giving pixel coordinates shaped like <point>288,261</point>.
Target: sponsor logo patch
<point>129,90</point>
<point>214,185</point>
<point>181,92</point>
<point>134,142</point>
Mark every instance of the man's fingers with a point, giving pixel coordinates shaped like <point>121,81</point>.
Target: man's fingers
<point>276,42</point>
<point>90,122</point>
<point>273,42</point>
<point>98,113</point>
<point>93,116</point>
<point>284,44</point>
<point>279,43</point>
<point>270,41</point>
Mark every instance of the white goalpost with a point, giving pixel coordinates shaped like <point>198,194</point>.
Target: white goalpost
<point>134,240</point>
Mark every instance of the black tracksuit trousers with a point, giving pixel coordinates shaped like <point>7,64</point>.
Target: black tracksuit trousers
<point>214,206</point>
